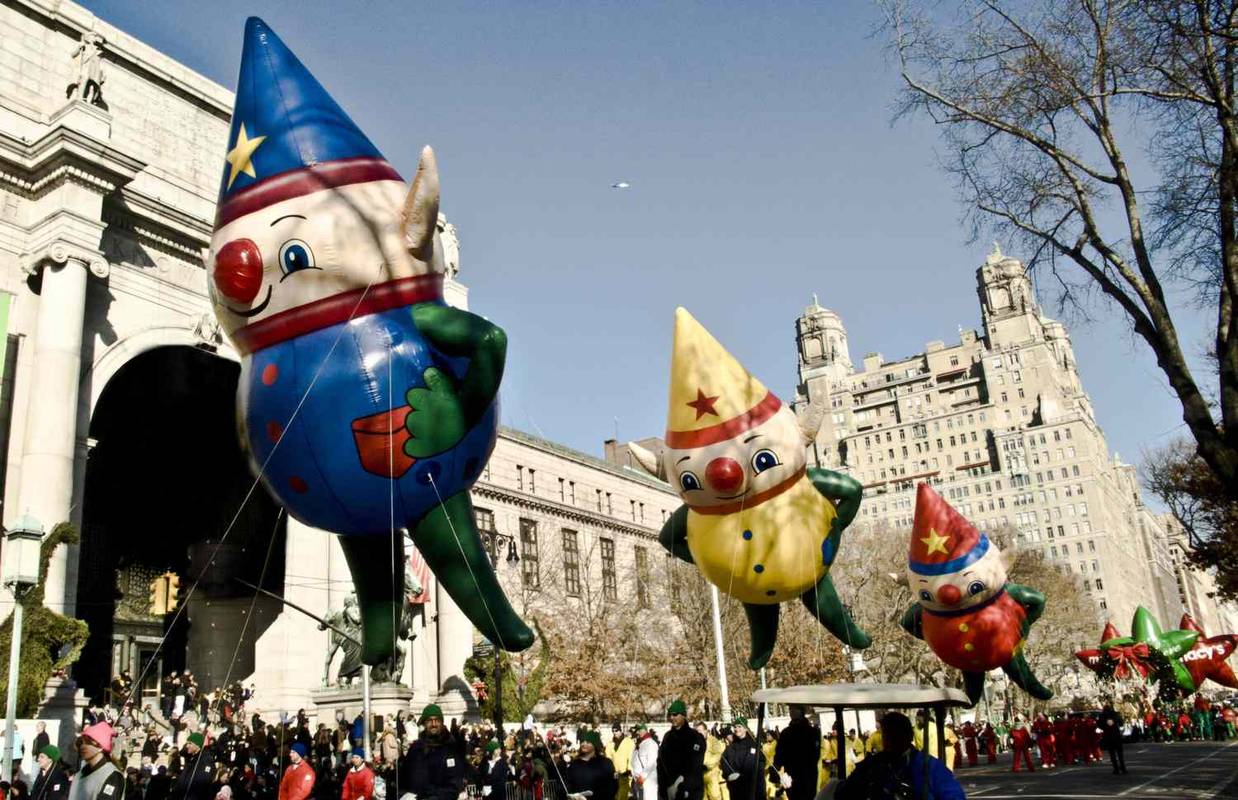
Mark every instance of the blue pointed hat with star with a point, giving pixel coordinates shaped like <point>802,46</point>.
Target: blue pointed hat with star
<point>289,137</point>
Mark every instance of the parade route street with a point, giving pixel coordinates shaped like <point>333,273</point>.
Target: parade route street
<point>1181,770</point>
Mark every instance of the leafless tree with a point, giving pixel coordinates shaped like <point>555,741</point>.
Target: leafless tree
<point>1041,105</point>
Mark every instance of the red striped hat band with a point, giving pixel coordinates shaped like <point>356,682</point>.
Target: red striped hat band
<point>729,429</point>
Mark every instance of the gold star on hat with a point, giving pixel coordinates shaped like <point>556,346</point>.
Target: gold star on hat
<point>935,542</point>
<point>240,157</point>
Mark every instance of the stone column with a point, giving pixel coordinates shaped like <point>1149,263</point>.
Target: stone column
<point>288,656</point>
<point>51,421</point>
<point>454,636</point>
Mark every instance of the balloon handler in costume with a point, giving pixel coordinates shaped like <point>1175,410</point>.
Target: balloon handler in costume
<point>757,523</point>
<point>970,616</point>
<point>365,403</point>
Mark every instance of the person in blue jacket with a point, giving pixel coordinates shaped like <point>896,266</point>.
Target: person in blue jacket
<point>899,770</point>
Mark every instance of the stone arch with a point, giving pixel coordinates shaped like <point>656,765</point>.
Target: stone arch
<point>124,350</point>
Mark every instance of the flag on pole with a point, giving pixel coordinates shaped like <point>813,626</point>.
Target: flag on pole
<point>421,572</point>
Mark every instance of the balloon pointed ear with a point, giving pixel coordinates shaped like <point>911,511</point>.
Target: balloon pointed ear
<point>421,208</point>
<point>810,420</point>
<point>650,462</point>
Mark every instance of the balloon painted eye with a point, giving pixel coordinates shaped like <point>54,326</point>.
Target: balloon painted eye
<point>926,595</point>
<point>294,256</point>
<point>763,460</point>
<point>689,481</point>
<point>975,587</point>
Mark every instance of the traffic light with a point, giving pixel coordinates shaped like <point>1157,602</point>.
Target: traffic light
<point>158,597</point>
<point>173,589</point>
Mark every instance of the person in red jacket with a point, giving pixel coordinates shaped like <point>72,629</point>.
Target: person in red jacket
<point>359,782</point>
<point>1021,742</point>
<point>1064,741</point>
<point>298,780</point>
<point>1081,731</point>
<point>969,743</point>
<point>989,737</point>
<point>1044,741</point>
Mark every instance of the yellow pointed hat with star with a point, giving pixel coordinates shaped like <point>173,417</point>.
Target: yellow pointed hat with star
<point>713,398</point>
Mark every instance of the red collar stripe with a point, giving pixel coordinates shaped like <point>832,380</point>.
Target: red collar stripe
<point>297,182</point>
<point>749,502</point>
<point>686,440</point>
<point>337,308</point>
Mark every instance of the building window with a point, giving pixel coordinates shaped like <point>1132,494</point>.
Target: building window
<point>610,586</point>
<point>571,563</point>
<point>520,477</point>
<point>1103,604</point>
<point>562,492</point>
<point>599,491</point>
<point>672,585</point>
<point>529,570</point>
<point>633,502</point>
<point>642,577</point>
<point>1099,584</point>
<point>571,485</point>
<point>532,482</point>
<point>954,361</point>
<point>484,518</point>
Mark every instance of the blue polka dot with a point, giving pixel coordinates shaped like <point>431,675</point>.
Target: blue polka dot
<point>759,568</point>
<point>747,534</point>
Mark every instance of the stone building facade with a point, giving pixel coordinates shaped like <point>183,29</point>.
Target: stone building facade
<point>1000,424</point>
<point>110,155</point>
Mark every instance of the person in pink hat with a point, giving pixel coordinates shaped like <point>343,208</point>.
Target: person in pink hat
<point>98,778</point>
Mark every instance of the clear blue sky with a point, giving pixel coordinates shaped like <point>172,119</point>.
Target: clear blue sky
<point>763,165</point>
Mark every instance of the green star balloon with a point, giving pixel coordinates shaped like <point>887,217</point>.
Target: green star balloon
<point>1168,646</point>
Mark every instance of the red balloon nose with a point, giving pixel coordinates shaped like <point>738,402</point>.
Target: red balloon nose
<point>724,474</point>
<point>238,270</point>
<point>949,595</point>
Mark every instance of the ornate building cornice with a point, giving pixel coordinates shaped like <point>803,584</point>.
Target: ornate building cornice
<point>563,510</point>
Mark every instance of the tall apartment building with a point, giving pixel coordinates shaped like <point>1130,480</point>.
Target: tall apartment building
<point>1000,424</point>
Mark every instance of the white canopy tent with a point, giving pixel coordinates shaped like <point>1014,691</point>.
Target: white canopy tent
<point>843,696</point>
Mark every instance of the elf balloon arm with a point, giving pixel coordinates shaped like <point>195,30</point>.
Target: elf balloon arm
<point>912,621</point>
<point>842,490</point>
<point>444,410</point>
<point>1033,602</point>
<point>458,333</point>
<point>674,535</point>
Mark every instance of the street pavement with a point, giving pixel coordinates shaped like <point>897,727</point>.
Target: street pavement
<point>1175,771</point>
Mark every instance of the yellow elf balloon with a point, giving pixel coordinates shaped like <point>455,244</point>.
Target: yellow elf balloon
<point>758,523</point>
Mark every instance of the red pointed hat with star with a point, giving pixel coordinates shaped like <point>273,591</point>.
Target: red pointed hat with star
<point>942,540</point>
<point>713,398</point>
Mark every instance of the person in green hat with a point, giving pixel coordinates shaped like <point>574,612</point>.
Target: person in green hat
<point>50,783</point>
<point>495,772</point>
<point>435,768</point>
<point>197,772</point>
<point>591,774</point>
<point>681,758</point>
<point>743,764</point>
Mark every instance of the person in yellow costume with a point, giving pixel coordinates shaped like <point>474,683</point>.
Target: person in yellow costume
<point>918,736</point>
<point>829,756</point>
<point>857,745</point>
<point>621,756</point>
<point>713,759</point>
<point>873,743</point>
<point>768,747</point>
<point>756,522</point>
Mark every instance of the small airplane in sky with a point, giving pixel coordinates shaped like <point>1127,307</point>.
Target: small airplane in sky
<point>620,185</point>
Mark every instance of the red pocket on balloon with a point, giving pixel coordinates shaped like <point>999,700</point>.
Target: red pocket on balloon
<point>380,442</point>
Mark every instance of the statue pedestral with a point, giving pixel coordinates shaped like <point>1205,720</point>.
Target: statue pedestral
<point>63,708</point>
<point>386,699</point>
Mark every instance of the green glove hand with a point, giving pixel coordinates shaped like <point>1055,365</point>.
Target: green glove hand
<point>436,421</point>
